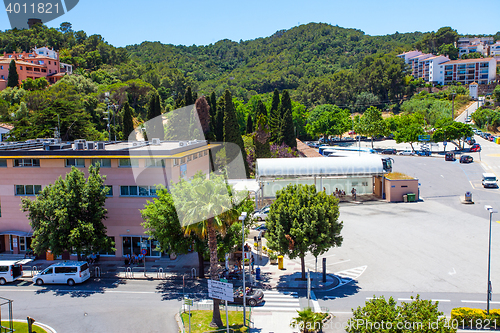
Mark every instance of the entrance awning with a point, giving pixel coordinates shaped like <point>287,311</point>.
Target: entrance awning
<point>17,233</point>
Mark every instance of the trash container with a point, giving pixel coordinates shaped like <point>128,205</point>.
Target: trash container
<point>49,256</point>
<point>405,198</point>
<point>257,273</point>
<point>280,262</point>
<point>468,196</point>
<point>411,197</point>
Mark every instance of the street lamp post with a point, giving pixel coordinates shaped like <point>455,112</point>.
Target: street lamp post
<point>491,211</point>
<point>242,218</point>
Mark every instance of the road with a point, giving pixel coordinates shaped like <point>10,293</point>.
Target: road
<point>470,110</point>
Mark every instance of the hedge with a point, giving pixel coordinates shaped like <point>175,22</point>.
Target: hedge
<point>475,318</point>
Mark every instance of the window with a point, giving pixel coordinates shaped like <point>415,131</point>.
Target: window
<point>26,162</point>
<point>50,70</point>
<point>3,163</point>
<point>189,158</point>
<point>205,153</point>
<point>103,162</point>
<point>76,162</point>
<point>28,189</point>
<point>49,62</point>
<point>176,161</point>
<point>138,191</point>
<point>1,67</point>
<point>66,270</point>
<point>128,163</point>
<point>183,160</point>
<point>195,156</point>
<point>200,154</point>
<point>154,162</point>
<point>3,77</point>
<point>0,209</point>
<point>21,67</point>
<point>110,190</point>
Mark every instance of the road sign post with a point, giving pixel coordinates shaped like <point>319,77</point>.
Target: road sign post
<point>223,291</point>
<point>144,252</point>
<point>189,302</point>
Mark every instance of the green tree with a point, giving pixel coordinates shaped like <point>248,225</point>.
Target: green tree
<point>327,119</point>
<point>308,321</point>
<point>453,131</point>
<point>496,94</point>
<point>249,128</point>
<point>68,215</point>
<point>13,78</point>
<point>302,220</point>
<point>155,122</point>
<point>287,131</point>
<point>212,102</point>
<point>409,127</point>
<point>127,121</point>
<point>219,123</point>
<point>449,50</point>
<point>416,316</point>
<point>261,138</point>
<point>372,123</point>
<point>274,116</point>
<point>232,133</point>
<point>261,109</point>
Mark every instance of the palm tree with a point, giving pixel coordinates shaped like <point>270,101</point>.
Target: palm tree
<point>204,206</point>
<point>308,321</point>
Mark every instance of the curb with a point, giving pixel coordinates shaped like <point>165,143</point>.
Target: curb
<point>44,326</point>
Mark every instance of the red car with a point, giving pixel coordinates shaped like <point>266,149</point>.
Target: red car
<point>475,147</point>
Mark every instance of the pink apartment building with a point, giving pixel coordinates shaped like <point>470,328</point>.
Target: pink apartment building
<point>132,170</point>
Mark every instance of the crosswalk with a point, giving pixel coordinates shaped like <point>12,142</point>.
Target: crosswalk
<point>279,301</point>
<point>352,273</point>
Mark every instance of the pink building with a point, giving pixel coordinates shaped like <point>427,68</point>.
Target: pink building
<point>130,171</point>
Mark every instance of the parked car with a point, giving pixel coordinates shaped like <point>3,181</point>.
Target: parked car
<point>449,157</point>
<point>475,147</point>
<point>467,120</point>
<point>470,141</point>
<point>66,272</point>
<point>423,153</point>
<point>466,159</point>
<point>407,153</point>
<point>261,228</point>
<point>253,296</point>
<point>389,151</point>
<point>261,214</point>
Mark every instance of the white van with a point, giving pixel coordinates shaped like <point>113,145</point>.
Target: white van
<point>489,180</point>
<point>10,270</point>
<point>66,272</point>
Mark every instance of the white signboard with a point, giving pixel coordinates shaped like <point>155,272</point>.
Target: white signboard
<point>220,290</point>
<point>247,255</point>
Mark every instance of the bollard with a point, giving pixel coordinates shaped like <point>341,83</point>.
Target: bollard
<point>257,273</point>
<point>324,270</point>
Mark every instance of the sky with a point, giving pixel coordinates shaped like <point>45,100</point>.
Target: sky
<point>188,22</point>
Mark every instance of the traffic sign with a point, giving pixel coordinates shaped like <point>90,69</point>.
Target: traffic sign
<point>144,251</point>
<point>223,280</point>
<point>220,290</point>
<point>188,301</point>
<point>444,143</point>
<point>424,138</point>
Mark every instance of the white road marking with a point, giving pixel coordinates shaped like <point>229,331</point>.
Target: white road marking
<point>452,273</point>
<point>352,273</point>
<point>481,302</point>
<point>339,262</point>
<point>440,300</point>
<point>442,176</point>
<point>315,302</point>
<point>406,299</point>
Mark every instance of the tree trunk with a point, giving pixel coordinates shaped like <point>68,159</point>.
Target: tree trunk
<point>303,263</point>
<point>372,142</point>
<point>201,265</point>
<point>214,265</point>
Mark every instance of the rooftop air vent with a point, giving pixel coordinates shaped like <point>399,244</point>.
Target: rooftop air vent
<point>90,145</point>
<point>156,141</point>
<point>79,146</point>
<point>101,146</point>
<point>183,143</point>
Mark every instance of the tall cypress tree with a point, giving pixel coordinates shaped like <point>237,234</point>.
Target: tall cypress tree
<point>127,121</point>
<point>261,138</point>
<point>232,133</point>
<point>260,110</point>
<point>219,121</point>
<point>249,124</point>
<point>188,97</point>
<point>287,133</point>
<point>155,124</point>
<point>275,118</point>
<point>286,104</point>
<point>13,78</point>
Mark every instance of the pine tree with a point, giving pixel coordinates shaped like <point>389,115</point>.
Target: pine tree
<point>274,118</point>
<point>13,78</point>
<point>249,124</point>
<point>232,132</point>
<point>127,121</point>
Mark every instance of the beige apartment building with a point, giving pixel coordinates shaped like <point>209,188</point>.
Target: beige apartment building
<point>132,170</point>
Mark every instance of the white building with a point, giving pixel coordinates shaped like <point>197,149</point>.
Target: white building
<point>431,71</point>
<point>467,71</point>
<point>495,50</point>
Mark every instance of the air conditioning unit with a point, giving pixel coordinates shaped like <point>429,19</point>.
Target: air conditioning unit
<point>79,146</point>
<point>135,144</point>
<point>101,146</point>
<point>46,146</point>
<point>80,141</point>
<point>193,142</point>
<point>156,141</point>
<point>183,143</point>
<point>90,145</point>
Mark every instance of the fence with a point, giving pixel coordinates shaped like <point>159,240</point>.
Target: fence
<point>206,306</point>
<point>33,270</point>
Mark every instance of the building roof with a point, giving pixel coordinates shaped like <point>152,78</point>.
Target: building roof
<point>20,62</point>
<point>467,60</point>
<point>306,150</point>
<point>368,164</point>
<point>6,126</point>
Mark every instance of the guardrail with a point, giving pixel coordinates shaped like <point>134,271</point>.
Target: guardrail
<point>193,273</point>
<point>129,273</point>
<point>33,270</point>
<point>160,274</point>
<point>97,271</point>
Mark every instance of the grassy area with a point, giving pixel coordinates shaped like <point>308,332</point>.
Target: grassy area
<point>397,176</point>
<point>200,321</point>
<point>21,327</point>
